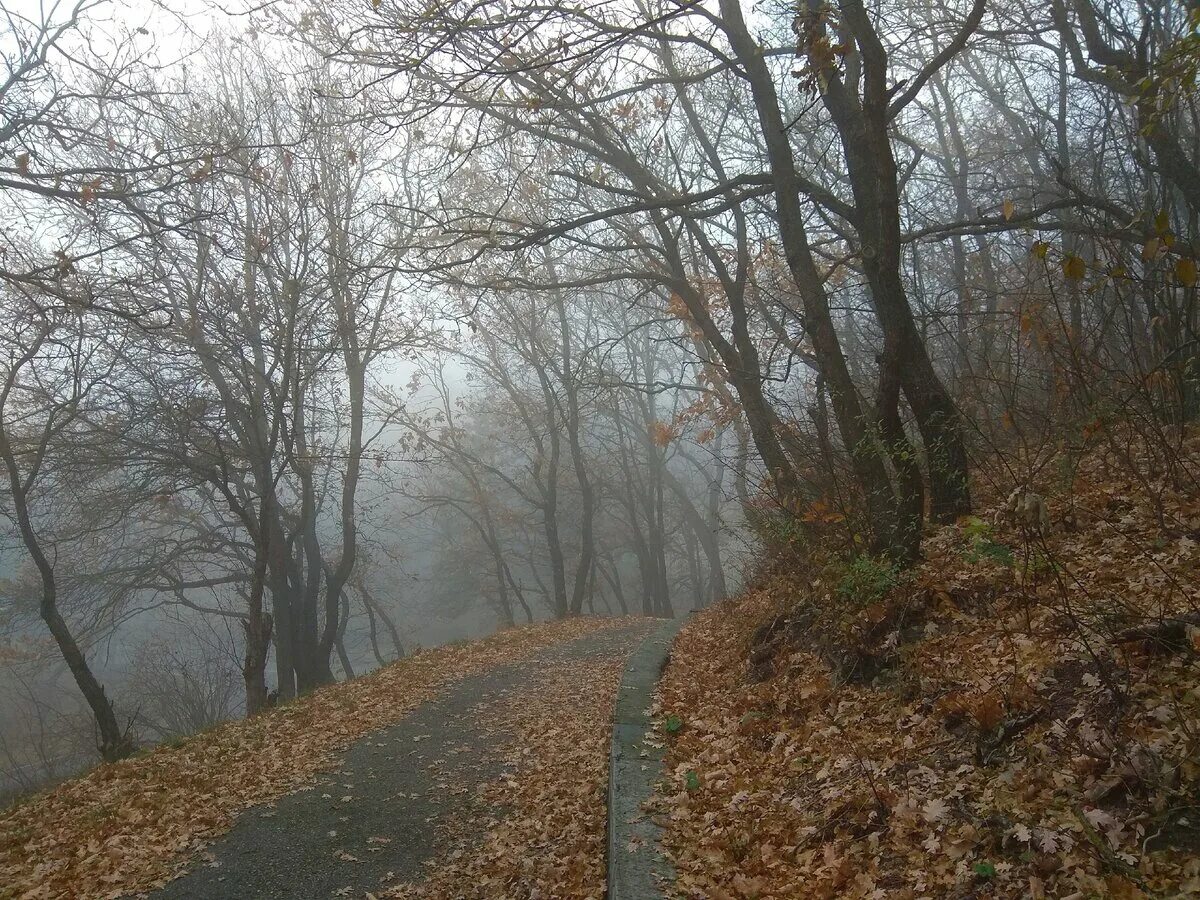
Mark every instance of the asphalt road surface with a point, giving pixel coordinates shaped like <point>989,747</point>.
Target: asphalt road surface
<point>401,796</point>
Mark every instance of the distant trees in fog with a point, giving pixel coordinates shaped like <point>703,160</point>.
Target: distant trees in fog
<point>555,298</point>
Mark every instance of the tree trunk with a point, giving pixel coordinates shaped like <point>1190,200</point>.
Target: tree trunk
<point>258,642</point>
<point>339,643</point>
<point>910,492</point>
<point>863,126</point>
<point>281,604</point>
<point>370,602</point>
<point>558,572</point>
<point>868,466</point>
<point>373,634</point>
<point>614,581</point>
<point>506,610</point>
<point>706,531</point>
<point>583,567</point>
<point>712,542</point>
<point>114,743</point>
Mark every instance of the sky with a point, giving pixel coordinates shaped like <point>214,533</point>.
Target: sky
<point>168,28</point>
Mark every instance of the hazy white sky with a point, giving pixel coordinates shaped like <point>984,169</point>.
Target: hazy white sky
<point>165,29</point>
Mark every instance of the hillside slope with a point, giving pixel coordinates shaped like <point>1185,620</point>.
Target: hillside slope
<point>1019,716</point>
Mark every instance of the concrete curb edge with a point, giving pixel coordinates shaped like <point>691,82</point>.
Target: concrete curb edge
<point>634,768</point>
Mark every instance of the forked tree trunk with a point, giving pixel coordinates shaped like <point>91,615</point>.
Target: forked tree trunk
<point>863,123</point>
<point>865,454</point>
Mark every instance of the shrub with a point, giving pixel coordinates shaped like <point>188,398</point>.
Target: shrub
<point>980,544</point>
<point>868,579</point>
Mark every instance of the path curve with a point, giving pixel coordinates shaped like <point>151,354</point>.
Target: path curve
<point>399,796</point>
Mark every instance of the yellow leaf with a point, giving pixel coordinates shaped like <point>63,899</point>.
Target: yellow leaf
<point>1040,249</point>
<point>1150,249</point>
<point>1008,209</point>
<point>1185,271</point>
<point>1073,267</point>
<point>1162,221</point>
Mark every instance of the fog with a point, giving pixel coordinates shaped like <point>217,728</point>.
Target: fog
<point>235,374</point>
<point>338,331</point>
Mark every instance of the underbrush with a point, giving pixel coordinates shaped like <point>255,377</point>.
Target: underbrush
<point>1017,716</point>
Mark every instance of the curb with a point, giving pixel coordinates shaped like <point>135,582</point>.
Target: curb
<point>634,767</point>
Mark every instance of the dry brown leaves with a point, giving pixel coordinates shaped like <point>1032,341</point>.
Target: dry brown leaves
<point>549,837</point>
<point>128,826</point>
<point>912,786</point>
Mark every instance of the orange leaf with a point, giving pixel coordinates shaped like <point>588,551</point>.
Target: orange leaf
<point>987,711</point>
<point>88,193</point>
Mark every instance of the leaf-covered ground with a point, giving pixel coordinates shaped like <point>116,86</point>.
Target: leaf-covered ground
<point>990,726</point>
<point>128,826</point>
<point>546,837</point>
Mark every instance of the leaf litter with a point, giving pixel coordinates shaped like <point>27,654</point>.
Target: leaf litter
<point>127,827</point>
<point>982,731</point>
<point>546,832</point>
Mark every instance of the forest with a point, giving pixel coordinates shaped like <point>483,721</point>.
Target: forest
<point>334,332</point>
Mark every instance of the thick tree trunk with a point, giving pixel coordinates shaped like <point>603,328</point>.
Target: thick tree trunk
<point>257,627</point>
<point>910,492</point>
<point>867,463</point>
<point>339,643</point>
<point>282,608</point>
<point>866,144</point>
<point>312,655</point>
<point>870,163</point>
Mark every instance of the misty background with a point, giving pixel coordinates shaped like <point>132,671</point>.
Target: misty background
<point>335,331</point>
<point>467,499</point>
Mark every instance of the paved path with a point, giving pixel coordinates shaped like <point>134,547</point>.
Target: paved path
<point>378,818</point>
